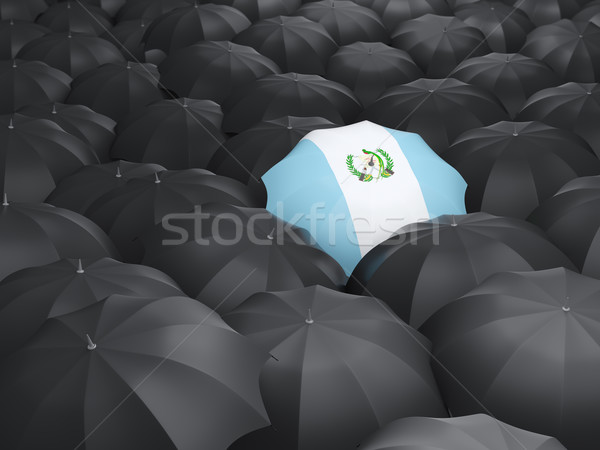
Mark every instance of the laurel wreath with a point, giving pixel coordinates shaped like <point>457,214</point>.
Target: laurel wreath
<point>354,171</point>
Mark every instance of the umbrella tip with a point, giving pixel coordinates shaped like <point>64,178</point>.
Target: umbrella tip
<point>12,22</point>
<point>91,345</point>
<point>567,306</point>
<point>453,224</point>
<point>54,108</point>
<point>309,320</point>
<point>271,234</point>
<point>589,92</point>
<point>10,123</point>
<point>80,266</point>
<point>156,178</point>
<point>445,29</point>
<point>5,200</point>
<point>118,174</point>
<point>129,64</point>
<point>69,35</point>
<point>185,104</point>
<point>229,47</point>
<point>14,64</point>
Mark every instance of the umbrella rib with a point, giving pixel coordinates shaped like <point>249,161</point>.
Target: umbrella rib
<point>162,361</point>
<point>161,85</point>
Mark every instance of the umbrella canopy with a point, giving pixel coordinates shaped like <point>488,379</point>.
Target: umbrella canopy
<point>127,36</point>
<point>213,69</point>
<point>439,43</point>
<point>511,77</point>
<point>148,9</point>
<point>15,34</point>
<point>75,17</point>
<point>178,134</point>
<point>571,49</point>
<point>221,254</point>
<point>534,337</point>
<point>353,186</point>
<point>549,11</point>
<point>430,264</point>
<point>33,234</point>
<point>71,52</point>
<point>103,377</point>
<point>92,128</point>
<point>475,432</point>
<point>30,296</point>
<point>22,9</point>
<point>573,106</point>
<point>589,13</point>
<point>249,155</point>
<point>393,12</point>
<point>438,110</point>
<point>345,21</point>
<point>35,155</point>
<point>116,90</point>
<point>25,83</point>
<point>78,191</point>
<point>110,7</point>
<point>504,27</point>
<point>296,44</point>
<point>127,212</point>
<point>191,24</point>
<point>293,94</point>
<point>511,167</point>
<point>261,9</point>
<point>337,360</point>
<point>369,68</point>
<point>570,218</point>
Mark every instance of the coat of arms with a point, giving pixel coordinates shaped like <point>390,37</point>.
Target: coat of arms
<point>371,165</point>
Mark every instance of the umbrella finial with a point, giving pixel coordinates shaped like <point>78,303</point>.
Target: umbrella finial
<point>54,108</point>
<point>309,318</point>
<point>289,121</point>
<point>14,65</point>
<point>156,178</point>
<point>118,174</point>
<point>453,224</point>
<point>185,104</point>
<point>142,23</point>
<point>69,35</point>
<point>80,266</point>
<point>370,51</point>
<point>229,47</point>
<point>515,133</point>
<point>507,58</point>
<point>445,29</point>
<point>5,199</point>
<point>91,345</point>
<point>271,235</point>
<point>567,306</point>
<point>10,123</point>
<point>12,22</point>
<point>196,3</point>
<point>129,64</point>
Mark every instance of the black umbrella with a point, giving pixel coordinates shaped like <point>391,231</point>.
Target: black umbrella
<point>341,366</point>
<point>212,69</point>
<point>31,296</point>
<point>524,346</point>
<point>511,167</point>
<point>78,191</point>
<point>25,83</point>
<point>430,264</point>
<point>589,13</point>
<point>148,10</point>
<point>116,90</point>
<point>570,218</point>
<point>345,21</point>
<point>573,106</point>
<point>110,7</point>
<point>15,34</point>
<point>548,11</point>
<point>75,17</point>
<point>127,212</point>
<point>92,128</point>
<point>221,254</point>
<point>393,12</point>
<point>571,49</point>
<point>36,154</point>
<point>504,27</point>
<point>191,24</point>
<point>72,53</point>
<point>296,44</point>
<point>249,155</point>
<point>261,9</point>
<point>127,37</point>
<point>22,9</point>
<point>132,372</point>
<point>32,234</point>
<point>512,77</point>
<point>478,431</point>
<point>437,110</point>
<point>369,68</point>
<point>177,134</point>
<point>439,43</point>
<point>293,94</point>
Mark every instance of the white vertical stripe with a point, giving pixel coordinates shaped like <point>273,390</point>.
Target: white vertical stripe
<point>378,207</point>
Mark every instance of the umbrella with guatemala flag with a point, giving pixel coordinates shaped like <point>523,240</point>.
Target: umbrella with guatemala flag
<point>351,187</point>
